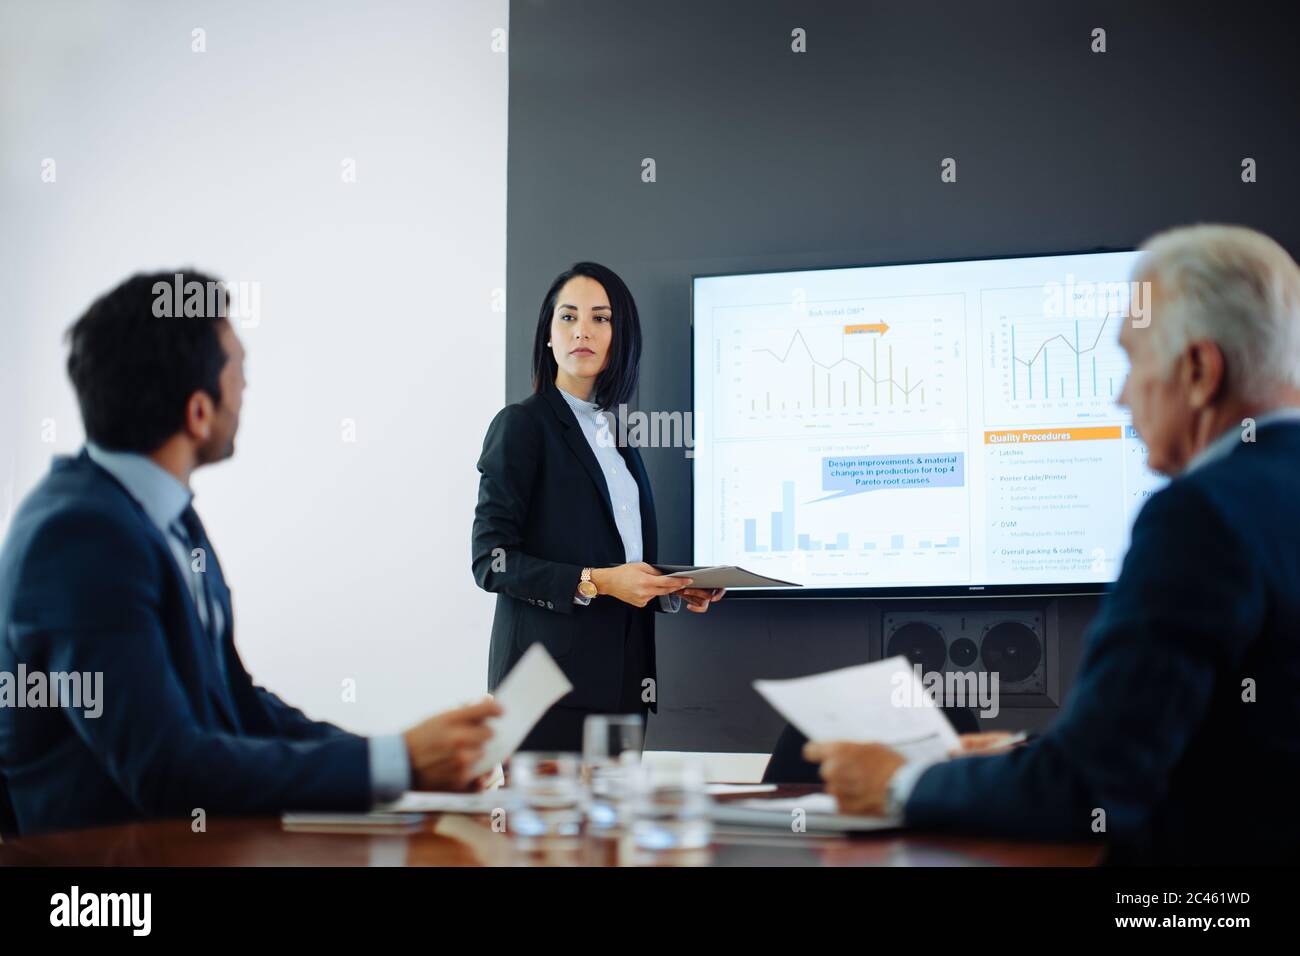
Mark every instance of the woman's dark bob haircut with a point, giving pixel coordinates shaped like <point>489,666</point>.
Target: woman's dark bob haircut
<point>614,385</point>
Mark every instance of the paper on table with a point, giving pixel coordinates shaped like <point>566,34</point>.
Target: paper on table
<point>882,702</point>
<point>535,683</point>
<point>821,814</point>
<point>420,801</point>
<point>809,802</point>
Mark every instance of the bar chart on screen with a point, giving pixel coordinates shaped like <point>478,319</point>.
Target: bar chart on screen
<point>843,513</point>
<point>1043,366</point>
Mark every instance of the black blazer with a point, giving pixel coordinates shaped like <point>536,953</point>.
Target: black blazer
<point>543,514</point>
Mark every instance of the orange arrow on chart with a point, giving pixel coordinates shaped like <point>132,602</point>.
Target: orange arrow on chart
<point>880,327</point>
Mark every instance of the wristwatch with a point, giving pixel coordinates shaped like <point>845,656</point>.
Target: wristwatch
<point>586,586</point>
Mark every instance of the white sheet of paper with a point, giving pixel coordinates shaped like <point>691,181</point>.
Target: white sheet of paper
<point>811,802</point>
<point>822,814</point>
<point>882,702</point>
<point>420,801</point>
<point>534,684</point>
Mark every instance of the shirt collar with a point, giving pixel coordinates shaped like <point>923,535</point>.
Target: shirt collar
<point>1222,446</point>
<point>577,404</point>
<point>162,497</point>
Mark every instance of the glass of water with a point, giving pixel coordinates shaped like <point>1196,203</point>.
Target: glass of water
<point>611,750</point>
<point>547,794</point>
<point>669,804</point>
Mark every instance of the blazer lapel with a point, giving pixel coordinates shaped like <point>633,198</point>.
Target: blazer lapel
<point>577,442</point>
<point>203,653</point>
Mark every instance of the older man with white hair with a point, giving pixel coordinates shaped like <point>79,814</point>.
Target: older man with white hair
<point>1184,719</point>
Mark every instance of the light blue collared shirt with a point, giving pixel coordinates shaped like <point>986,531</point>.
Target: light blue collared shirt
<point>624,494</point>
<point>163,498</point>
<point>903,782</point>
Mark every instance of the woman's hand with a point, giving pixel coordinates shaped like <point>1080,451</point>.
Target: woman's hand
<point>637,584</point>
<point>699,599</point>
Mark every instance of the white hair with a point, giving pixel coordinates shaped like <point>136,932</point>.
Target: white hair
<point>1236,287</point>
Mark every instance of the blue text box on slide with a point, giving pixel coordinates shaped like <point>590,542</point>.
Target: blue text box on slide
<point>855,474</point>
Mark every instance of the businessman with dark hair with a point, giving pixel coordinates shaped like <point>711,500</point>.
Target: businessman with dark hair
<point>1184,720</point>
<point>107,570</point>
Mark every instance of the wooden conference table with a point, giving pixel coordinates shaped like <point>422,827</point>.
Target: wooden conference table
<point>457,840</point>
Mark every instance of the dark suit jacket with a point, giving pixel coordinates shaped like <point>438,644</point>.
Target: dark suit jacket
<point>543,514</point>
<point>1155,731</point>
<point>87,583</point>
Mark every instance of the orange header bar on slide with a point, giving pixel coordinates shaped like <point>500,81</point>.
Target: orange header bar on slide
<point>1017,436</point>
<point>880,327</point>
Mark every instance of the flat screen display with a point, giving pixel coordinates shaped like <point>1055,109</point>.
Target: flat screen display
<point>918,428</point>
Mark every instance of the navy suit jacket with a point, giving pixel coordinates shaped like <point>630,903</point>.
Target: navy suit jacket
<point>1158,731</point>
<point>88,584</point>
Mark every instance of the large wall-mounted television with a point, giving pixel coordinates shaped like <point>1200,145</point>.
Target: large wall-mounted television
<point>934,428</point>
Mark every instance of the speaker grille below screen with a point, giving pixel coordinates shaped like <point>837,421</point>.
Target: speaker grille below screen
<point>963,652</point>
<point>1011,650</point>
<point>921,644</point>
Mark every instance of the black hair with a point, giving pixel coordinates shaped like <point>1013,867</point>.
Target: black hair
<point>140,351</point>
<point>616,383</point>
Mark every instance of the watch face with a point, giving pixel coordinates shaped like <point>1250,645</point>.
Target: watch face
<point>586,589</point>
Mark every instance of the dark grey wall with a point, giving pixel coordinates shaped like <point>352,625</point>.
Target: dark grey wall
<point>768,159</point>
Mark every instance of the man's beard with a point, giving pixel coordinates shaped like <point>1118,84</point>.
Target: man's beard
<point>218,450</point>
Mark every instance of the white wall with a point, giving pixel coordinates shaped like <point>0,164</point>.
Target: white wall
<point>347,560</point>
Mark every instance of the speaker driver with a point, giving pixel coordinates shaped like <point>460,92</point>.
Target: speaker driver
<point>1011,650</point>
<point>963,652</point>
<point>921,644</point>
